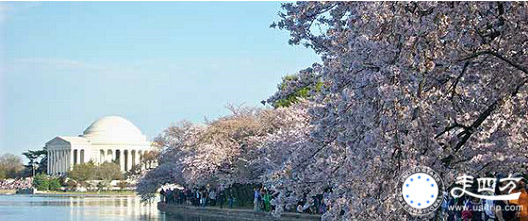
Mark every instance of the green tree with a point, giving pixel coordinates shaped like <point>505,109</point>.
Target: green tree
<point>109,171</point>
<point>41,182</point>
<point>295,87</point>
<point>36,165</point>
<point>83,171</point>
<point>54,184</point>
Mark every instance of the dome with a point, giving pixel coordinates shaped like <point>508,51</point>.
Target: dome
<point>114,130</point>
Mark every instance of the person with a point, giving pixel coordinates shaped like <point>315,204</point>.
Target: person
<point>473,210</point>
<point>503,211</point>
<point>203,199</point>
<point>231,199</point>
<point>162,195</point>
<point>221,198</point>
<point>307,206</point>
<point>299,207</point>
<point>168,195</point>
<point>182,197</point>
<point>322,208</point>
<point>522,202</point>
<point>212,197</point>
<point>188,196</point>
<point>197,197</point>
<point>261,199</point>
<point>488,209</point>
<point>267,201</point>
<point>454,213</point>
<point>256,199</point>
<point>317,203</point>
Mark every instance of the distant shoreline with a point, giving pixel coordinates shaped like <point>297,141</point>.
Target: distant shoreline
<point>126,193</point>
<point>7,191</point>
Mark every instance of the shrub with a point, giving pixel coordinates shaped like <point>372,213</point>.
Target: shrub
<point>41,182</point>
<point>54,184</point>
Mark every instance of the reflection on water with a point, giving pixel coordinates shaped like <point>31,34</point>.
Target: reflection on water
<point>29,207</point>
<point>73,208</point>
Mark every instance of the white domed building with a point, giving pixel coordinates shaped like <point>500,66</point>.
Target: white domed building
<point>109,139</point>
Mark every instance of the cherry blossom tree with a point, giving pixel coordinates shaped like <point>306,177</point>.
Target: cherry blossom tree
<point>400,84</point>
<point>225,151</point>
<point>176,143</point>
<point>437,84</point>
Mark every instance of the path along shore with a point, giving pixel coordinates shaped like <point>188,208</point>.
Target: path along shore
<point>238,214</point>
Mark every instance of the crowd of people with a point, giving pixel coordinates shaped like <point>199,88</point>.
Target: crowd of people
<point>466,208</point>
<point>316,206</point>
<point>21,183</point>
<point>208,196</point>
<point>202,197</point>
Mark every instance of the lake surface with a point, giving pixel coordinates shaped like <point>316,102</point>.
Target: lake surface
<point>90,208</point>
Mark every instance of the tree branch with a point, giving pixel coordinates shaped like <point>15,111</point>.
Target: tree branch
<point>457,80</point>
<point>497,55</point>
<point>484,115</point>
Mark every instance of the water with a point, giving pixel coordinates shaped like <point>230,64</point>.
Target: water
<point>89,208</point>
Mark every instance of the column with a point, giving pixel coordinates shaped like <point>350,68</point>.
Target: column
<point>125,158</point>
<point>70,155</point>
<point>129,159</point>
<point>49,167</point>
<point>137,157</point>
<point>66,161</point>
<point>109,155</point>
<point>121,160</point>
<point>57,161</point>
<point>61,161</point>
<point>67,158</point>
<point>50,162</point>
<point>140,155</point>
<point>78,155</point>
<point>54,153</point>
<point>63,156</point>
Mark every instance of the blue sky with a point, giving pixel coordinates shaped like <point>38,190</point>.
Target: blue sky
<point>65,64</point>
